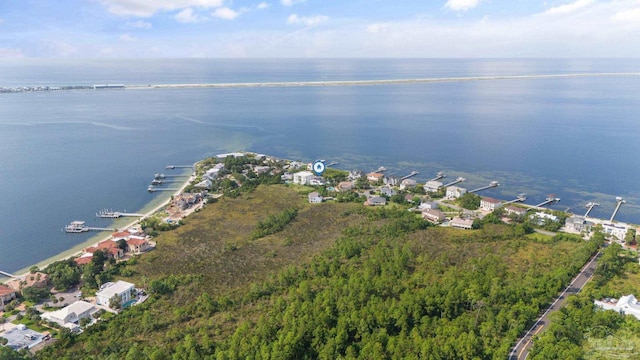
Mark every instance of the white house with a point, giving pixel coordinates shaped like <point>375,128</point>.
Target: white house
<point>315,198</point>
<point>374,177</point>
<point>303,177</point>
<point>317,181</point>
<point>425,205</point>
<point>515,210</point>
<point>578,224</point>
<point>619,230</point>
<point>454,192</point>
<point>70,316</point>
<point>541,217</point>
<point>627,305</point>
<point>490,204</point>
<point>110,290</point>
<point>387,191</point>
<point>432,186</point>
<point>407,184</point>
<point>376,201</point>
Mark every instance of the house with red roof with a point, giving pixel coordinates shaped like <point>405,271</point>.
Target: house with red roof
<point>7,294</point>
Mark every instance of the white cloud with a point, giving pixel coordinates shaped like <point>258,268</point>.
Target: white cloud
<point>188,16</point>
<point>127,38</point>
<point>263,5</point>
<point>376,28</point>
<point>461,5</point>
<point>146,8</point>
<point>225,13</point>
<point>568,8</point>
<point>140,24</point>
<point>627,16</point>
<point>291,2</point>
<point>306,20</point>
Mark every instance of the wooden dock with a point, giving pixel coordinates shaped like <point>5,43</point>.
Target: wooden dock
<point>4,273</point>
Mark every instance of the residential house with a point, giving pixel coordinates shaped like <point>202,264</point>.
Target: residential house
<point>345,186</point>
<point>407,184</point>
<point>432,186</point>
<point>204,184</point>
<point>374,177</point>
<point>317,181</point>
<point>490,204</point>
<point>376,201</point>
<point>515,210</point>
<point>460,223</point>
<point>84,259</point>
<point>354,175</point>
<point>578,224</point>
<point>391,181</point>
<point>541,217</point>
<point>7,294</point>
<point>108,291</point>
<point>454,192</point>
<point>617,230</point>
<point>315,198</point>
<point>138,245</point>
<point>70,316</point>
<point>287,176</point>
<point>303,177</point>
<point>627,305</point>
<point>235,155</point>
<point>427,205</point>
<point>433,215</point>
<point>261,169</point>
<point>387,191</point>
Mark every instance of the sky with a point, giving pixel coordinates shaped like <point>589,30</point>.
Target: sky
<point>319,28</point>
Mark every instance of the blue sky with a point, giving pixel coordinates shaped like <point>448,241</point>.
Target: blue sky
<point>318,28</point>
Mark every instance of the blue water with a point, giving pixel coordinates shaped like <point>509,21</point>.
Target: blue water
<point>65,155</point>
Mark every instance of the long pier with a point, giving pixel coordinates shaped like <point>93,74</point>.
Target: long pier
<point>491,185</point>
<point>590,207</point>
<point>439,176</point>
<point>171,167</point>
<point>550,199</point>
<point>154,189</point>
<point>115,214</point>
<point>413,173</point>
<point>619,202</point>
<point>456,181</point>
<point>4,273</point>
<point>521,198</point>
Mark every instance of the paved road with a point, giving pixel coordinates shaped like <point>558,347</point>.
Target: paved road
<point>524,344</point>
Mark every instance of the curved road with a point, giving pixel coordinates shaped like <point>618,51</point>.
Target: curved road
<point>522,348</point>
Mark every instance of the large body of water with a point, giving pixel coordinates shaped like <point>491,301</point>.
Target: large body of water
<point>65,155</point>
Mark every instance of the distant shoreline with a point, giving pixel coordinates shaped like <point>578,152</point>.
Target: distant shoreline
<point>112,87</point>
<point>94,240</point>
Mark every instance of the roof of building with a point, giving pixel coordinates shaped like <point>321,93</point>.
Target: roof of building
<point>303,173</point>
<point>83,260</point>
<point>109,290</point>
<point>107,245</point>
<point>491,200</point>
<point>120,234</point>
<point>77,307</point>
<point>137,241</point>
<point>5,290</point>
<point>375,175</point>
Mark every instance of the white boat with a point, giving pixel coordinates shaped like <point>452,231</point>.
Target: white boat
<point>76,227</point>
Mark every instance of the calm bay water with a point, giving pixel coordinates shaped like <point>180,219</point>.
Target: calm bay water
<point>65,155</point>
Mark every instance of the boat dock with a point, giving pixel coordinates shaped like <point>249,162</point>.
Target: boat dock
<point>80,227</point>
<point>109,214</point>
<point>151,189</point>
<point>381,169</point>
<point>439,175</point>
<point>333,163</point>
<point>456,181</point>
<point>521,198</point>
<point>590,207</point>
<point>4,273</point>
<point>413,173</point>
<point>491,185</point>
<point>550,199</point>
<point>171,167</point>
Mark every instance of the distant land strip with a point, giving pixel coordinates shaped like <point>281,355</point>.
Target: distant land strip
<point>311,83</point>
<point>374,82</point>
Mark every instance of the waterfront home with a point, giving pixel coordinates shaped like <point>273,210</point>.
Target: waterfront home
<point>541,217</point>
<point>110,290</point>
<point>70,316</point>
<point>287,176</point>
<point>315,198</point>
<point>261,169</point>
<point>354,175</point>
<point>317,181</point>
<point>433,215</point>
<point>84,259</point>
<point>204,184</point>
<point>515,210</point>
<point>407,184</point>
<point>391,181</point>
<point>616,231</point>
<point>303,177</point>
<point>374,177</point>
<point>454,192</point>
<point>460,223</point>
<point>345,186</point>
<point>120,235</point>
<point>432,186</point>
<point>235,155</point>
<point>376,201</point>
<point>578,224</point>
<point>137,244</point>
<point>490,204</point>
<point>7,294</point>
<point>627,305</point>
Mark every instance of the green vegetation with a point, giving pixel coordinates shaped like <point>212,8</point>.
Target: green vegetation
<point>63,274</point>
<point>274,223</point>
<point>341,281</point>
<point>470,201</point>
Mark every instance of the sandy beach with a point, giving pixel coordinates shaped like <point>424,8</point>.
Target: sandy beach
<point>121,224</point>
